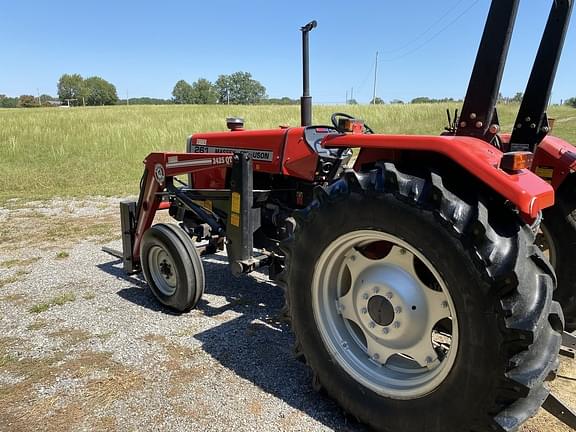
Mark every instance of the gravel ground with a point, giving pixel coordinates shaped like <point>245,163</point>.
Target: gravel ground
<point>85,347</point>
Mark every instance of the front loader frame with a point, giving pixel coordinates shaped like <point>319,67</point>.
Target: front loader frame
<point>158,192</point>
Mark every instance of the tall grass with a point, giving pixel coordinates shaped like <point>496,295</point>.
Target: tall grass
<point>98,151</point>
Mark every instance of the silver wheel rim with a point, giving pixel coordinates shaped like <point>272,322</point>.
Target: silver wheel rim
<point>162,270</point>
<point>545,242</point>
<point>379,318</point>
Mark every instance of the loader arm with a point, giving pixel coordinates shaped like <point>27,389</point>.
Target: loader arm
<point>531,125</point>
<point>478,117</point>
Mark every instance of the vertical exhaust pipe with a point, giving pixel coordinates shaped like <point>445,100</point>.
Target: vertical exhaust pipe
<point>306,99</point>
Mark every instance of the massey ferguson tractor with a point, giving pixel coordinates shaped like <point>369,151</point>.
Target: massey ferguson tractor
<point>415,289</point>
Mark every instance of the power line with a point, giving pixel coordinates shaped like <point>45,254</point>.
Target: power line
<point>425,32</point>
<point>435,35</point>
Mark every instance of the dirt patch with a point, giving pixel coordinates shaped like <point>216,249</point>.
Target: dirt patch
<point>59,392</point>
<point>18,262</point>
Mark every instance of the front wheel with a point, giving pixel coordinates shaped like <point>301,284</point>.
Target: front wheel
<point>418,309</point>
<point>172,267</point>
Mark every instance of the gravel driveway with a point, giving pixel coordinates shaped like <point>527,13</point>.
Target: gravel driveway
<point>84,347</point>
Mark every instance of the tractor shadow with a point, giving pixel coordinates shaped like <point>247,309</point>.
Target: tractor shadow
<point>138,293</point>
<point>257,344</point>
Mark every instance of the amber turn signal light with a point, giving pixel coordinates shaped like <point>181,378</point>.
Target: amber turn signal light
<point>516,161</point>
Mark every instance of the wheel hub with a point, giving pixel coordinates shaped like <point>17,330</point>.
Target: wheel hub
<point>380,310</point>
<point>161,267</point>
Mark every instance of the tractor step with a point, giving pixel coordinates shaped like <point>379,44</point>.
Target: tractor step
<point>568,348</point>
<point>114,252</point>
<point>559,410</point>
<point>569,340</point>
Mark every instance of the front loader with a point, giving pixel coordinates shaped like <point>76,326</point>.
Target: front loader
<point>413,285</point>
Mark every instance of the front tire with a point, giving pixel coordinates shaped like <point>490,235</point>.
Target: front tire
<point>460,336</point>
<point>172,267</point>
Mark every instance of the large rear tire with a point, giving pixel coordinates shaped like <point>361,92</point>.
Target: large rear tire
<point>558,241</point>
<point>172,267</point>
<point>419,309</point>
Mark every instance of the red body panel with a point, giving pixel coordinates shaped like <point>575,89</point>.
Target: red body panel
<point>526,190</point>
<point>274,151</point>
<point>299,159</point>
<point>264,141</point>
<point>555,157</point>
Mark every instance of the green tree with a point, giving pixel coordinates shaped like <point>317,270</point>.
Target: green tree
<point>517,97</point>
<point>352,102</point>
<point>8,102</point>
<point>182,93</point>
<point>203,92</point>
<point>27,101</point>
<point>571,102</point>
<point>397,102</point>
<point>100,92</point>
<point>421,99</point>
<point>377,101</point>
<point>72,87</point>
<point>281,101</point>
<point>239,88</point>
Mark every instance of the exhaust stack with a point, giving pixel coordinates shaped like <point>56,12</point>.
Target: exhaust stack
<point>306,99</point>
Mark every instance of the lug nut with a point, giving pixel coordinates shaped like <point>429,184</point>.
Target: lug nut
<point>365,296</point>
<point>389,295</point>
<point>385,330</point>
<point>364,310</point>
<point>344,345</point>
<point>429,359</point>
<point>376,356</point>
<point>398,309</point>
<point>402,251</point>
<point>376,289</point>
<point>352,257</point>
<point>444,304</point>
<point>372,324</point>
<point>396,324</point>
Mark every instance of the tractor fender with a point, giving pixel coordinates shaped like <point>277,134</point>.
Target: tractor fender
<point>529,193</point>
<point>554,160</point>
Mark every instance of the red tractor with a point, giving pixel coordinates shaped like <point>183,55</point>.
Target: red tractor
<point>414,287</point>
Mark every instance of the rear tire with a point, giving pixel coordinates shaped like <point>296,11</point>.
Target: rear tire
<point>507,329</point>
<point>172,267</point>
<point>559,241</point>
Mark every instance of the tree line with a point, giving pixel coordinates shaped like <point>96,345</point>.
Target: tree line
<point>238,88</point>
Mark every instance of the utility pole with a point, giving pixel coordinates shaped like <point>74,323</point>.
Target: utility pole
<point>352,94</point>
<point>39,100</point>
<point>346,98</point>
<point>127,99</point>
<point>375,79</point>
<point>227,96</point>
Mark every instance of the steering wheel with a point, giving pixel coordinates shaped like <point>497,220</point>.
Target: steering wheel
<point>334,120</point>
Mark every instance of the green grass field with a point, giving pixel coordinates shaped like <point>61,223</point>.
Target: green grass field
<point>99,151</point>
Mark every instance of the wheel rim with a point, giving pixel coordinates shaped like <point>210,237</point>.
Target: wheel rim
<point>545,242</point>
<point>163,270</point>
<point>385,314</point>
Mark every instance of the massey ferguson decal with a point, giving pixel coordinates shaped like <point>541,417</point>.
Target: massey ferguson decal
<point>259,155</point>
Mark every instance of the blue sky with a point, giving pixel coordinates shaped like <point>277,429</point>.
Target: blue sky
<point>427,48</point>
